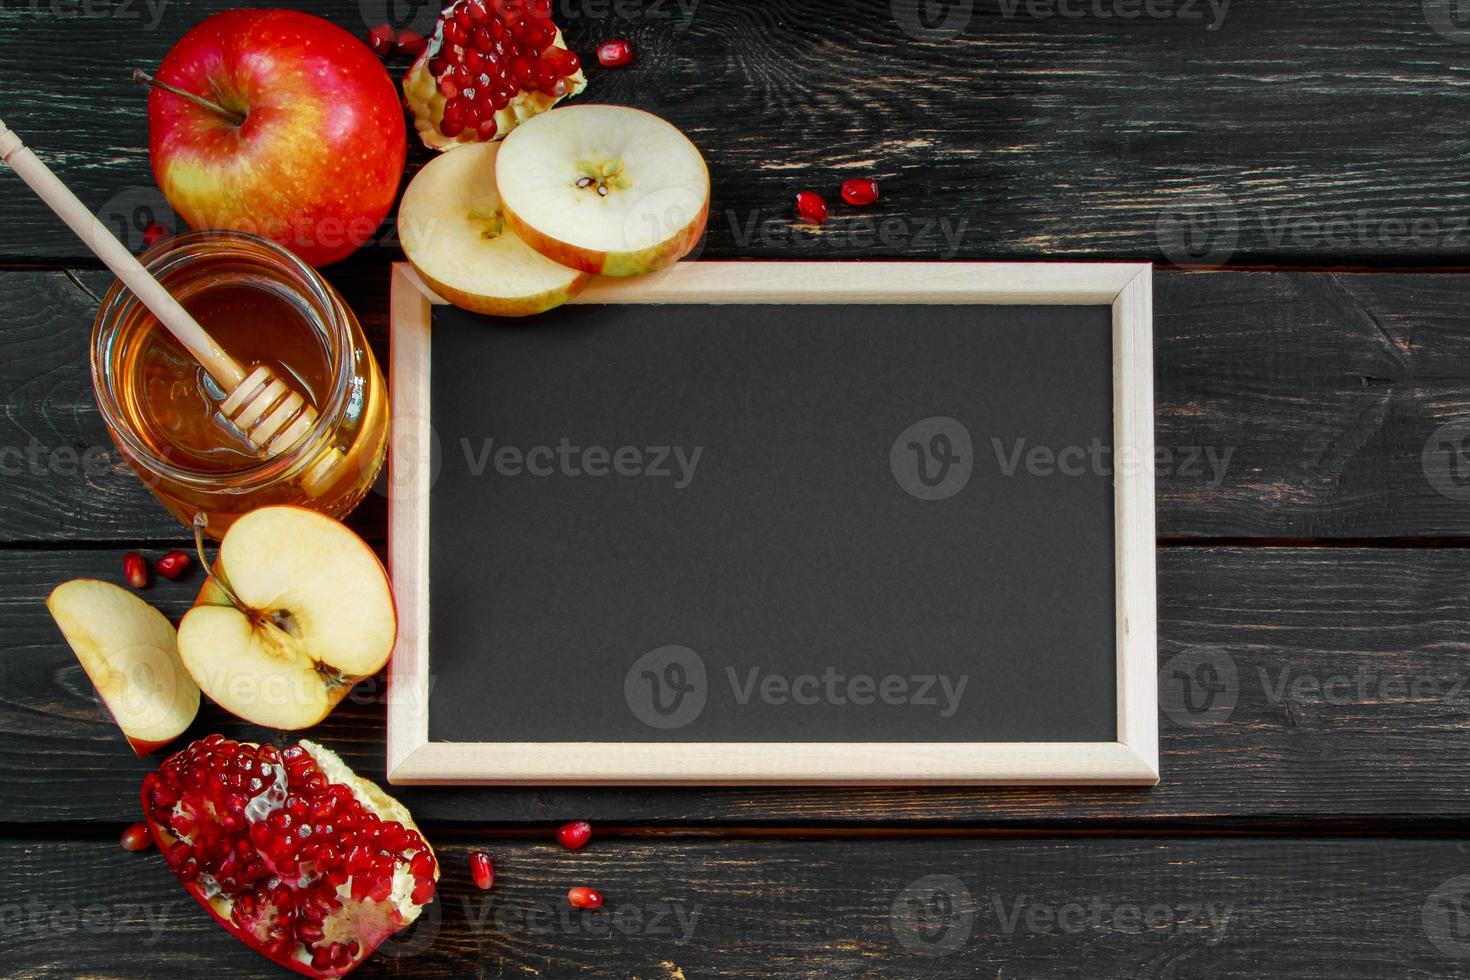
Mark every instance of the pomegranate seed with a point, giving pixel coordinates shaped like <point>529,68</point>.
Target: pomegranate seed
<point>617,53</point>
<point>486,129</point>
<point>411,42</point>
<point>583,897</point>
<point>482,869</point>
<point>811,207</point>
<point>860,191</point>
<point>574,835</point>
<point>135,570</point>
<point>137,838</point>
<point>172,565</point>
<point>380,39</point>
<point>153,233</point>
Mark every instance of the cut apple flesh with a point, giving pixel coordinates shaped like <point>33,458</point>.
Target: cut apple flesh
<point>130,652</point>
<point>606,189</point>
<point>453,230</point>
<point>306,613</point>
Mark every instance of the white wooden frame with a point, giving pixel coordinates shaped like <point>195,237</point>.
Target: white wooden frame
<point>1131,759</point>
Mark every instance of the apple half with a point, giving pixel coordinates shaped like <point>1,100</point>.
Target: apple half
<point>453,230</point>
<point>606,189</point>
<point>130,652</point>
<point>297,610</point>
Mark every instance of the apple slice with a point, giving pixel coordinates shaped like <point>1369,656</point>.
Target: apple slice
<point>299,610</point>
<point>606,189</point>
<point>453,231</point>
<point>130,652</point>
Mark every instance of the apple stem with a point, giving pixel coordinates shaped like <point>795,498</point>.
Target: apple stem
<point>143,78</point>
<point>201,521</point>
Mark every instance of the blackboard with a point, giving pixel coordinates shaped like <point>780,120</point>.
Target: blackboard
<point>725,524</point>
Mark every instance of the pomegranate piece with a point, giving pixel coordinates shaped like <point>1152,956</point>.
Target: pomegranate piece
<point>153,233</point>
<point>411,43</point>
<point>488,65</point>
<point>860,191</point>
<point>135,570</point>
<point>296,856</point>
<point>136,838</point>
<point>574,835</point>
<point>811,207</point>
<point>583,897</point>
<point>617,53</point>
<point>482,869</point>
<point>380,39</point>
<point>172,565</point>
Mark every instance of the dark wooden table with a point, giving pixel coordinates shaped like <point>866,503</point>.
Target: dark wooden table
<point>1313,607</point>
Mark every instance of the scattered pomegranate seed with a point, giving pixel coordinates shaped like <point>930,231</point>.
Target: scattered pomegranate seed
<point>574,835</point>
<point>617,53</point>
<point>860,191</point>
<point>811,207</point>
<point>172,565</point>
<point>135,570</point>
<point>153,233</point>
<point>482,869</point>
<point>411,43</point>
<point>137,838</point>
<point>380,39</point>
<point>583,897</point>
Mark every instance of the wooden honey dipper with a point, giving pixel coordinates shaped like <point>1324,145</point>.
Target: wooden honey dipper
<point>264,409</point>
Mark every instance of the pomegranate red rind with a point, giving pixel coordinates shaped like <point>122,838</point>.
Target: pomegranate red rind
<point>292,853</point>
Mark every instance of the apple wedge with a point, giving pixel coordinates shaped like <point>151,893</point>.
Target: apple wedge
<point>606,189</point>
<point>297,610</point>
<point>130,652</point>
<point>453,231</point>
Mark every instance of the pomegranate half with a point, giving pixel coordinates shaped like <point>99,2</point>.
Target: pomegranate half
<point>294,854</point>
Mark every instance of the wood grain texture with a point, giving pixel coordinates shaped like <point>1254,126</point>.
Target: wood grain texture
<point>1295,685</point>
<point>1031,132</point>
<point>1287,405</point>
<point>682,908</point>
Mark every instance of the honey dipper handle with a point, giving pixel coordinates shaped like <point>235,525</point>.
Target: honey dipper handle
<point>93,233</point>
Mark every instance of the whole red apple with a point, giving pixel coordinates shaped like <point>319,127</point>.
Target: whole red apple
<point>304,139</point>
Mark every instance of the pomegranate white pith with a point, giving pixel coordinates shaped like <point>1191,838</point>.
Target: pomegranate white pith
<point>489,65</point>
<point>294,854</point>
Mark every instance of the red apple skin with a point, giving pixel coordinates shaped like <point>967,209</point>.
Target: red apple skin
<point>317,162</point>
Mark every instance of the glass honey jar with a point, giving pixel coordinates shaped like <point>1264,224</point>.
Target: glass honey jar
<point>263,305</point>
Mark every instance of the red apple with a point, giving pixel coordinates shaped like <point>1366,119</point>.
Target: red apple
<point>302,140</point>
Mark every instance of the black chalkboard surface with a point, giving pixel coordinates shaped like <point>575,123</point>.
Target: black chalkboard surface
<point>742,523</point>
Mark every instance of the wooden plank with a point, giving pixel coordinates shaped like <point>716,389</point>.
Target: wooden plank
<point>1287,405</point>
<point>1296,685</point>
<point>678,908</point>
<point>1032,128</point>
